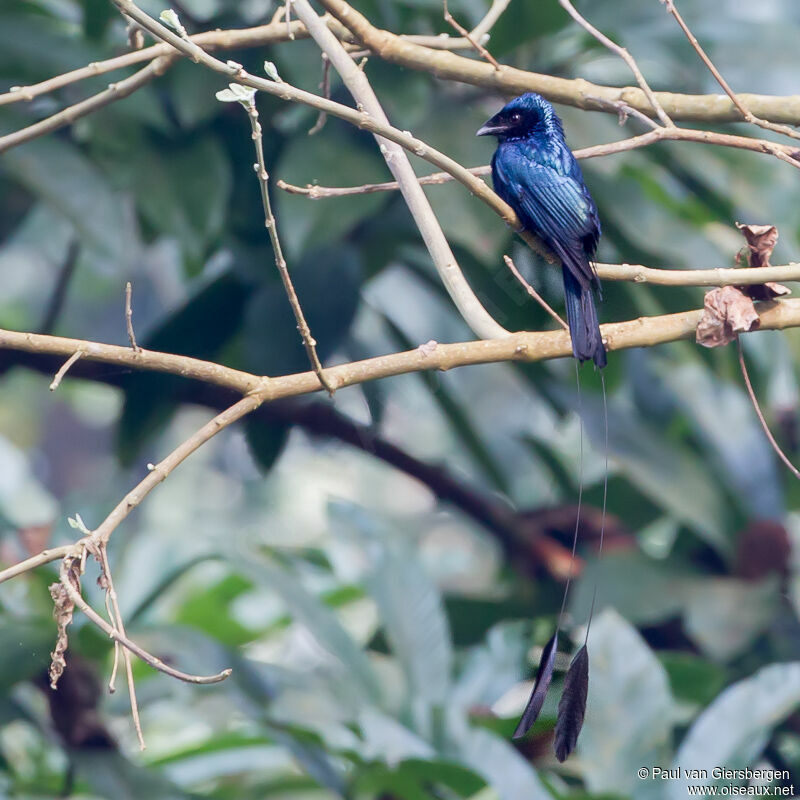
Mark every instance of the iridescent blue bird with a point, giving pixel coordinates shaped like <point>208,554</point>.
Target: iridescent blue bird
<point>535,172</point>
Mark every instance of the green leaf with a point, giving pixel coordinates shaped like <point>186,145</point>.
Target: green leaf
<point>457,415</point>
<point>321,623</point>
<point>184,193</point>
<point>724,615</point>
<point>410,606</point>
<point>733,730</point>
<point>266,440</point>
<point>56,172</point>
<point>327,284</point>
<point>661,469</point>
<point>629,715</point>
<point>692,679</point>
<point>208,609</point>
<point>522,23</point>
<point>192,93</point>
<point>500,765</point>
<point>334,159</point>
<point>110,774</point>
<point>723,417</point>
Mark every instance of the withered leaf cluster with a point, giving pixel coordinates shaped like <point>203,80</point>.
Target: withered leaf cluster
<point>730,310</point>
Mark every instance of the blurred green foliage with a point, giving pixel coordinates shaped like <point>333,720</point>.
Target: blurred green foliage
<point>379,640</point>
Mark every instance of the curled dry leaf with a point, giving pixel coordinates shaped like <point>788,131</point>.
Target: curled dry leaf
<point>761,241</point>
<point>727,311</point>
<point>63,609</point>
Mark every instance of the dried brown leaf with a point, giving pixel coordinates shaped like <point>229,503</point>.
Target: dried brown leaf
<point>761,241</point>
<point>765,291</point>
<point>727,311</point>
<point>63,609</point>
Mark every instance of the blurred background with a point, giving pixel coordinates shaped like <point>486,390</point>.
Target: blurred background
<point>382,569</point>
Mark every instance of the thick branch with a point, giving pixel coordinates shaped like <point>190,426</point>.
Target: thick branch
<point>422,55</point>
<point>526,347</point>
<point>577,92</point>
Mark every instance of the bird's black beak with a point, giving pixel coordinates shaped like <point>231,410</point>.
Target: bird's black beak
<point>492,127</point>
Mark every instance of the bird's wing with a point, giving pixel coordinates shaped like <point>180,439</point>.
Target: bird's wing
<point>556,207</point>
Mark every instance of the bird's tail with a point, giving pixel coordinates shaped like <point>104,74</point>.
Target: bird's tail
<point>584,329</point>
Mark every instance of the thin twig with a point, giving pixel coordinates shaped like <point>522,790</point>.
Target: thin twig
<point>735,99</point>
<point>287,15</point>
<point>425,53</point>
<point>775,446</point>
<point>574,92</point>
<point>134,648</point>
<point>39,560</point>
<point>490,20</point>
<point>534,294</point>
<point>624,111</point>
<point>129,317</point>
<point>59,376</point>
<point>325,86</point>
<point>119,626</point>
<point>161,470</point>
<point>624,55</point>
<point>114,92</point>
<point>210,40</point>
<point>790,155</point>
<point>316,192</point>
<point>260,167</point>
<point>478,47</point>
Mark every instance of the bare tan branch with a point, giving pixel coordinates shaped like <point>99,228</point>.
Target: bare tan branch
<point>474,42</point>
<point>574,92</point>
<point>526,346</point>
<point>39,560</point>
<point>623,53</point>
<point>735,99</point>
<point>115,91</point>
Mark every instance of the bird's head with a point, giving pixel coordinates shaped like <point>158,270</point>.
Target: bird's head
<point>526,115</point>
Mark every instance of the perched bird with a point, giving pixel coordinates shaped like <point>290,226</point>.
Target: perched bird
<point>535,172</point>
